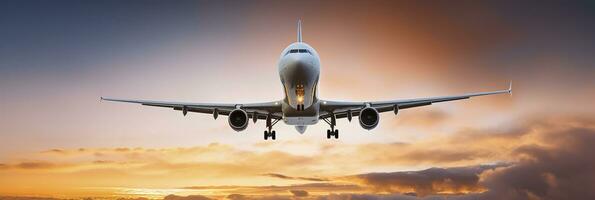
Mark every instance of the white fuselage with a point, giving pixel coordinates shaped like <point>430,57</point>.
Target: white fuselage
<point>299,70</point>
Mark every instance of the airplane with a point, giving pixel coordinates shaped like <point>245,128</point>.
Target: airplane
<point>299,71</point>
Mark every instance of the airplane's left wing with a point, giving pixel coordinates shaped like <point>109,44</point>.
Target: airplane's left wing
<point>254,110</point>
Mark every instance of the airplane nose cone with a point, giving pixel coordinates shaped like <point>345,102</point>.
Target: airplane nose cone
<point>301,129</point>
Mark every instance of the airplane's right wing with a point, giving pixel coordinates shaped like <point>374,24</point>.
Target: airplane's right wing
<point>342,109</point>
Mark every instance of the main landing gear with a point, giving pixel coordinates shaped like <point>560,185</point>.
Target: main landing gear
<point>332,132</point>
<point>270,133</point>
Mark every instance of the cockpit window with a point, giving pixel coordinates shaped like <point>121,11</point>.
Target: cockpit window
<point>298,51</point>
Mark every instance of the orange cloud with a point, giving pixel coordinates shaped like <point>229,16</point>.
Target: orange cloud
<point>456,158</point>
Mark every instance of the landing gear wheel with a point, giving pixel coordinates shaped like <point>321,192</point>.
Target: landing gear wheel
<point>273,135</point>
<point>332,133</point>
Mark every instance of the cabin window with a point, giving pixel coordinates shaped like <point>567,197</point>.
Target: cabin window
<point>298,51</point>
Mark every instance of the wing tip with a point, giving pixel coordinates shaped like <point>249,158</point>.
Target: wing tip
<point>510,88</point>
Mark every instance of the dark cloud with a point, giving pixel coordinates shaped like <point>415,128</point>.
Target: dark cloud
<point>366,197</point>
<point>558,169</point>
<point>299,193</point>
<point>34,165</point>
<point>429,181</point>
<point>57,151</point>
<point>257,197</point>
<point>281,176</point>
<point>311,187</point>
<point>556,165</point>
<point>236,197</point>
<point>351,196</point>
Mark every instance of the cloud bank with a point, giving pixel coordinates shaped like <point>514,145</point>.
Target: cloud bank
<point>540,158</point>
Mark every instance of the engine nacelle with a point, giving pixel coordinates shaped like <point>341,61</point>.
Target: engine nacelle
<point>238,119</point>
<point>368,118</point>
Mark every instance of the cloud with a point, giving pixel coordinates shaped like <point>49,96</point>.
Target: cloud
<point>191,197</point>
<point>545,158</point>
<point>26,198</point>
<point>283,189</point>
<point>299,193</point>
<point>558,169</point>
<point>236,197</point>
<point>35,165</point>
<point>429,181</point>
<point>257,197</point>
<point>366,197</point>
<point>551,163</point>
<point>281,176</point>
<point>138,198</point>
<point>56,151</point>
<point>30,165</point>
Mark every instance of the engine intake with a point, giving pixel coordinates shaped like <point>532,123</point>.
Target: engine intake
<point>238,119</point>
<point>368,118</point>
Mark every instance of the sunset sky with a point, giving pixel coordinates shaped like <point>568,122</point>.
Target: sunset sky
<point>57,140</point>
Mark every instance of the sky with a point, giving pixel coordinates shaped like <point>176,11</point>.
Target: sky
<point>59,141</point>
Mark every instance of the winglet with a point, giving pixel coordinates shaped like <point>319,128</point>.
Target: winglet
<point>510,88</point>
<point>299,31</point>
<point>100,98</point>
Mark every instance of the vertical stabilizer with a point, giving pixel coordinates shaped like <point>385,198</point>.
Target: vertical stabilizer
<point>299,31</point>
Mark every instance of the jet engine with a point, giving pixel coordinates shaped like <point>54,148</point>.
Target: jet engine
<point>238,119</point>
<point>368,118</point>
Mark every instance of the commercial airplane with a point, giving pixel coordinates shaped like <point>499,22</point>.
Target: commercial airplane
<point>299,71</point>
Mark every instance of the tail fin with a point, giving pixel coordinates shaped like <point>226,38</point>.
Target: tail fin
<point>299,31</point>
